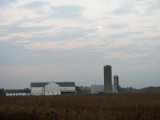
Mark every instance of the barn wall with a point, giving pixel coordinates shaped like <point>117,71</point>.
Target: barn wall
<point>52,89</point>
<point>16,94</point>
<point>37,91</point>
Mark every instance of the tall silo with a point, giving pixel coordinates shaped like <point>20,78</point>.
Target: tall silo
<point>107,79</point>
<point>116,84</point>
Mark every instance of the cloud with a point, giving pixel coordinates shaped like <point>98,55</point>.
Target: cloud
<point>16,28</point>
<point>154,38</point>
<point>152,8</point>
<point>14,14</point>
<point>121,11</point>
<point>35,4</point>
<point>123,48</point>
<point>92,32</point>
<point>125,56</point>
<point>119,35</point>
<point>34,55</point>
<point>57,45</point>
<point>72,12</point>
<point>69,34</point>
<point>6,2</point>
<point>43,33</point>
<point>117,26</point>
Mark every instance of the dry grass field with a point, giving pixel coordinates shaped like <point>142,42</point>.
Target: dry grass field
<point>81,107</point>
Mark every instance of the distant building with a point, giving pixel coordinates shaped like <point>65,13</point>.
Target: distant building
<point>52,88</point>
<point>17,92</point>
<point>2,92</point>
<point>107,79</point>
<point>67,87</point>
<point>83,90</point>
<point>116,84</point>
<point>97,89</point>
<point>38,88</point>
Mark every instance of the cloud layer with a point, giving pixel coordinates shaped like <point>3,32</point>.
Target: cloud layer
<point>85,33</point>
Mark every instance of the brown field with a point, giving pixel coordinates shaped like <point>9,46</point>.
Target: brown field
<point>81,107</point>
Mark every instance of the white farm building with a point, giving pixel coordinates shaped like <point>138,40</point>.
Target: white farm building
<point>52,88</point>
<point>17,92</point>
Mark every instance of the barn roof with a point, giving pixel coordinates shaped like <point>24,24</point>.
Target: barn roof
<point>17,91</point>
<point>62,84</point>
<point>39,84</point>
<point>66,84</point>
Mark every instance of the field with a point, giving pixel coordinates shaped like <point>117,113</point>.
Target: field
<point>81,107</point>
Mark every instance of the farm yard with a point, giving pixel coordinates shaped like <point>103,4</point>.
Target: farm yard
<point>81,107</point>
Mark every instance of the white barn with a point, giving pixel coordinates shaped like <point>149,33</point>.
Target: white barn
<point>67,87</point>
<point>38,88</point>
<point>52,88</point>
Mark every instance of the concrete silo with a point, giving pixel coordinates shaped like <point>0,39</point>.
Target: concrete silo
<point>116,84</point>
<point>107,79</point>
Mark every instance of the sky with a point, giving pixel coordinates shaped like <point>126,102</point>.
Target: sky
<point>72,40</point>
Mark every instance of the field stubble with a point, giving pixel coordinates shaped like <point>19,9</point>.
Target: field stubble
<point>81,107</point>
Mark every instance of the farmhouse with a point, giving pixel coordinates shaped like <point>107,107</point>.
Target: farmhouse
<point>17,92</point>
<point>52,88</point>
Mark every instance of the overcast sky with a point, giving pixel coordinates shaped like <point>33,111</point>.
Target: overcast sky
<point>71,40</point>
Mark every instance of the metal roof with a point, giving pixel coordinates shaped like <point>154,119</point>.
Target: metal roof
<point>62,84</point>
<point>66,84</point>
<point>17,91</point>
<point>39,84</point>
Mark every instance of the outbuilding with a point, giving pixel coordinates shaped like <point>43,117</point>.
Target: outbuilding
<point>17,92</point>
